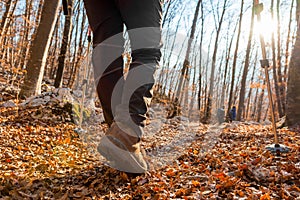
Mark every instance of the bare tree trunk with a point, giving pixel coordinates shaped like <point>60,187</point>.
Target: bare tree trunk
<point>278,99</point>
<point>24,47</point>
<point>54,44</point>
<point>293,89</point>
<point>39,50</point>
<point>177,80</point>
<point>205,81</point>
<point>235,59</point>
<point>253,110</point>
<point>279,73</point>
<point>5,25</point>
<point>266,113</point>
<point>78,52</point>
<point>287,50</point>
<point>200,60</point>
<point>166,62</point>
<point>185,68</point>
<point>228,49</point>
<point>169,53</point>
<point>164,65</point>
<point>64,46</point>
<point>214,59</point>
<point>171,82</point>
<point>5,16</point>
<point>241,106</point>
<point>237,87</point>
<point>260,102</point>
<point>246,115</point>
<point>166,13</point>
<point>194,90</point>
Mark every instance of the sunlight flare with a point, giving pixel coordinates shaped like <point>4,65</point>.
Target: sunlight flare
<point>266,27</point>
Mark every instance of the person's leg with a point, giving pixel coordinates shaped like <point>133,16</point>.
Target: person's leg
<point>107,26</point>
<point>120,148</point>
<point>143,21</point>
<point>121,144</point>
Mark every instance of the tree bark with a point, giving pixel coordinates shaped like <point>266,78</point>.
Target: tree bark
<point>293,89</point>
<point>200,60</point>
<point>245,72</point>
<point>213,66</point>
<point>246,115</point>
<point>279,73</point>
<point>287,48</point>
<point>260,102</point>
<point>64,46</point>
<point>24,45</point>
<point>5,16</point>
<point>39,50</point>
<point>185,67</point>
<point>78,54</point>
<point>5,26</point>
<point>275,68</point>
<point>235,60</point>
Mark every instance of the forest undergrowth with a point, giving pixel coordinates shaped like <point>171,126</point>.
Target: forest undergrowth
<point>47,159</point>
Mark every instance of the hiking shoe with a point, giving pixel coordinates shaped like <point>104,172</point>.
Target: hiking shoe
<point>123,151</point>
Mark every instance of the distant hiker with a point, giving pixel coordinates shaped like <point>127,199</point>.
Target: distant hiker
<point>232,114</point>
<point>221,115</point>
<point>125,101</point>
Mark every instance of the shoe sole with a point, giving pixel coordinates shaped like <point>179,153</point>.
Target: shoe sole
<point>118,158</point>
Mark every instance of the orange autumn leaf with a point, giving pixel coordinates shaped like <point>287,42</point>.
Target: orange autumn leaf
<point>67,140</point>
<point>265,197</point>
<point>240,193</point>
<point>196,152</point>
<point>195,183</point>
<point>243,167</point>
<point>124,176</point>
<point>295,188</point>
<point>180,192</point>
<point>219,186</point>
<point>220,176</point>
<point>170,173</point>
<point>256,161</point>
<point>243,154</point>
<point>185,166</point>
<point>229,183</point>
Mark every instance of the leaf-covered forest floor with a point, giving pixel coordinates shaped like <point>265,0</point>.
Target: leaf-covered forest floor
<point>46,159</point>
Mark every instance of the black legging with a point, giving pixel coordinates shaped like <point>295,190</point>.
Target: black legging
<point>142,19</point>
